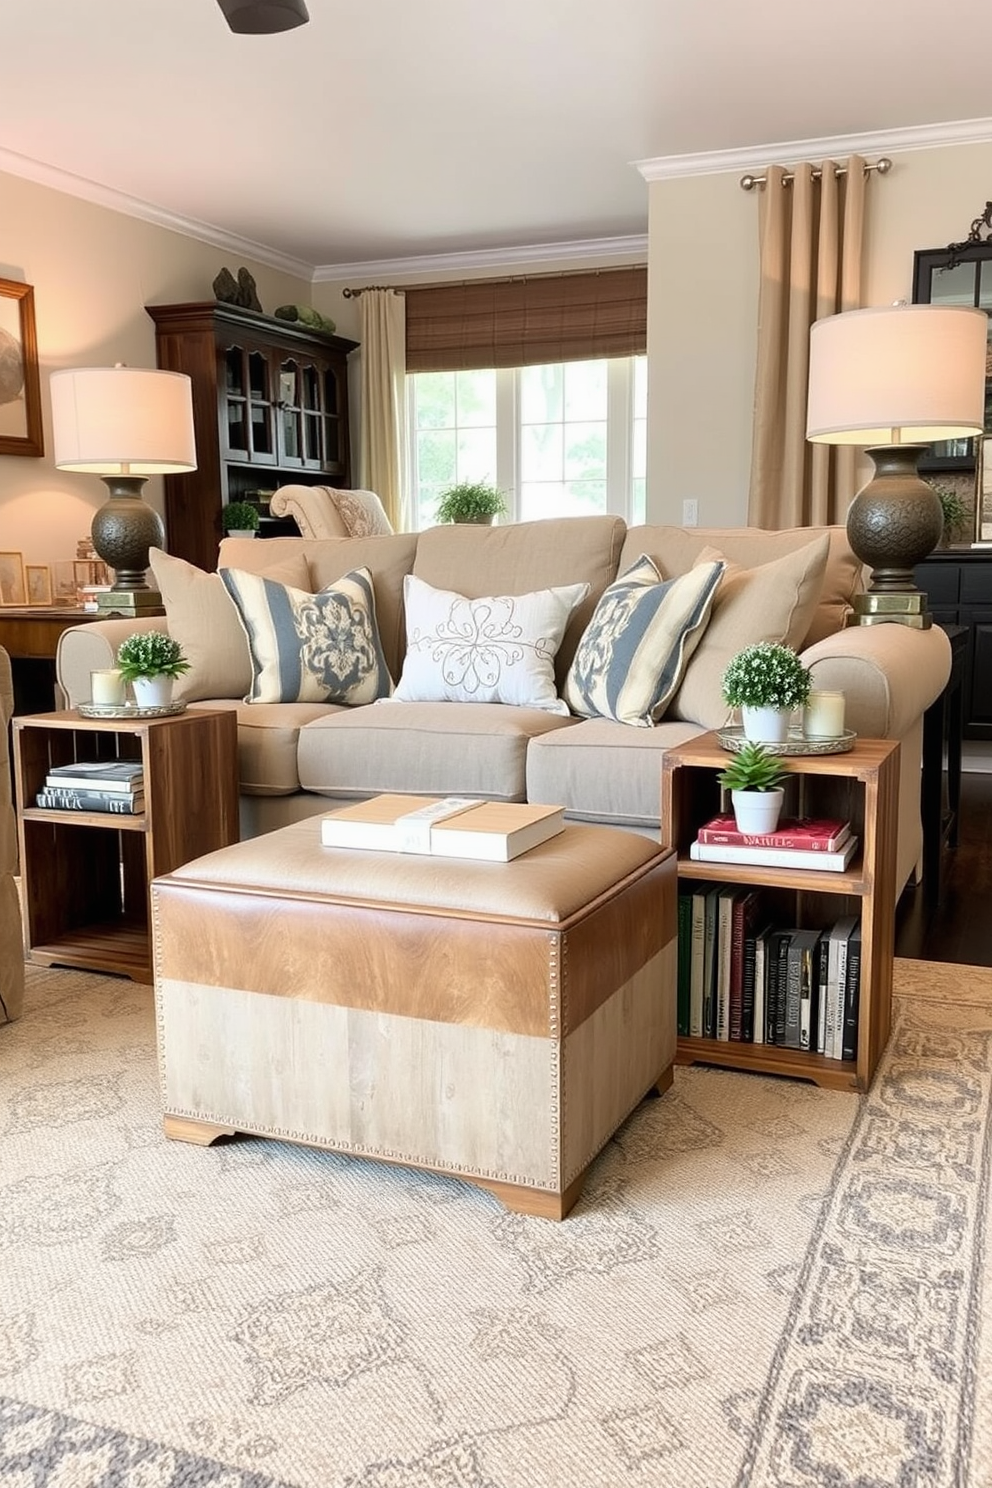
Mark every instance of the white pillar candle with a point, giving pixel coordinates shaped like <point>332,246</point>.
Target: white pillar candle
<point>107,688</point>
<point>823,716</point>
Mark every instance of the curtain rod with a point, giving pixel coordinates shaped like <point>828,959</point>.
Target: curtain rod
<point>883,167</point>
<point>353,294</point>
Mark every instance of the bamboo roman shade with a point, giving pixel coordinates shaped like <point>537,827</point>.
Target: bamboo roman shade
<point>524,322</point>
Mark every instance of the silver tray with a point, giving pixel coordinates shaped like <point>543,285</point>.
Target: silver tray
<point>734,740</point>
<point>128,710</point>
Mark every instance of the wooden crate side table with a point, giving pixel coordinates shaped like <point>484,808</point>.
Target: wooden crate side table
<point>862,786</point>
<point>86,875</point>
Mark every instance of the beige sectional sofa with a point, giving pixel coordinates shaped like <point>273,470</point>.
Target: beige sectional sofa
<point>299,758</point>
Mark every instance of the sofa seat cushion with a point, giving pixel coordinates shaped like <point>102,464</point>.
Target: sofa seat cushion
<point>268,742</point>
<point>603,771</point>
<point>446,749</point>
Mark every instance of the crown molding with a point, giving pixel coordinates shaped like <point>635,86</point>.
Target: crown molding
<point>132,206</point>
<point>634,247</point>
<point>885,141</point>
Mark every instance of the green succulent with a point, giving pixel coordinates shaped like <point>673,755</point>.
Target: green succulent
<point>954,511</point>
<point>239,516</point>
<point>753,769</point>
<point>469,501</point>
<point>766,675</point>
<point>151,653</point>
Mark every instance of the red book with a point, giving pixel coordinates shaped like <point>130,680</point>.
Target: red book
<point>809,834</point>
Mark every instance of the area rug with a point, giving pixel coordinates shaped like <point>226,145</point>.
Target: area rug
<point>764,1283</point>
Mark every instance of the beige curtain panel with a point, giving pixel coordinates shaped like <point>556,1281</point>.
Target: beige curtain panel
<point>811,237</point>
<point>526,322</point>
<point>383,423</point>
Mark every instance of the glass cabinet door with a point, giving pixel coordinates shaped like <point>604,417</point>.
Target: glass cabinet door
<point>248,405</point>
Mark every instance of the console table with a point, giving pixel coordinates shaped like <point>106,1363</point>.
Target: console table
<point>30,636</point>
<point>943,724</point>
<point>958,583</point>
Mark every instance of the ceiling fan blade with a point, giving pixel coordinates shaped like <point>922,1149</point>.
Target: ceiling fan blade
<point>263,17</point>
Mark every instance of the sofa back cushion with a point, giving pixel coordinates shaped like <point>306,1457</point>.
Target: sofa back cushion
<point>388,558</point>
<point>676,549</point>
<point>523,557</point>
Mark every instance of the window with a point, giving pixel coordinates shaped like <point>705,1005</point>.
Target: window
<point>562,439</point>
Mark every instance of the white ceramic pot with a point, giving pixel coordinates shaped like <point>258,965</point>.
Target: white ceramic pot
<point>241,532</point>
<point>153,692</point>
<point>757,812</point>
<point>766,725</point>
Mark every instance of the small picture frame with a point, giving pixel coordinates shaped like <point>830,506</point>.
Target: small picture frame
<point>38,582</point>
<point>13,590</point>
<point>64,582</point>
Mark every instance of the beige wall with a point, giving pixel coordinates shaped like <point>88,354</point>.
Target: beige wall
<point>93,271</point>
<point>702,311</point>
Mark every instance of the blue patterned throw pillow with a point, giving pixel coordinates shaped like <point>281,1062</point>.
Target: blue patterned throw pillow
<point>630,659</point>
<point>311,648</point>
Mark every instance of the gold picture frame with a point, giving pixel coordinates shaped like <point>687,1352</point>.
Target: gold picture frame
<point>13,590</point>
<point>38,583</point>
<point>21,430</point>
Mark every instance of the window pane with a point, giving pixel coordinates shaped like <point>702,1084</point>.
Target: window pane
<point>541,455</point>
<point>640,387</point>
<point>953,286</point>
<point>585,390</point>
<point>544,499</point>
<point>585,451</point>
<point>435,396</point>
<point>477,455</point>
<point>639,502</point>
<point>476,398</point>
<point>436,457</point>
<point>541,394</point>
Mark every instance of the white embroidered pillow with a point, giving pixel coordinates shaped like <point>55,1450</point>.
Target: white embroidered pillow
<point>499,649</point>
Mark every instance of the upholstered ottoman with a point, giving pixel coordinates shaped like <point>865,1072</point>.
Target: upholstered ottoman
<point>497,1021</point>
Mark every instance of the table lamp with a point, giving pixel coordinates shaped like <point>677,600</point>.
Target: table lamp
<point>876,376</point>
<point>124,424</point>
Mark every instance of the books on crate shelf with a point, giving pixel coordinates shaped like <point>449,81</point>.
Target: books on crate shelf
<point>776,857</point>
<point>76,799</point>
<point>454,827</point>
<point>805,833</point>
<point>745,980</point>
<point>105,776</point>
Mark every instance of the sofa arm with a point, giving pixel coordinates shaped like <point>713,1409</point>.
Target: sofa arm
<point>889,674</point>
<point>91,648</point>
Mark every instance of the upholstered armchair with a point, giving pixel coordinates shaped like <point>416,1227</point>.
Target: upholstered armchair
<point>322,511</point>
<point>11,937</point>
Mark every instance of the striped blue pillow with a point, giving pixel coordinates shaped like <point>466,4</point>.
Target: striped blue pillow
<point>630,659</point>
<point>311,648</point>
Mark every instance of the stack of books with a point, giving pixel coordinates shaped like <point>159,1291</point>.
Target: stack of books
<point>453,827</point>
<point>114,786</point>
<point>742,978</point>
<point>822,844</point>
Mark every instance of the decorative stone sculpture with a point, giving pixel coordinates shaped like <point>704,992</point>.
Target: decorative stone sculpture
<point>304,315</point>
<point>240,291</point>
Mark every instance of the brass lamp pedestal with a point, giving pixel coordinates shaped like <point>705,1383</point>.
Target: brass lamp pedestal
<point>894,522</point>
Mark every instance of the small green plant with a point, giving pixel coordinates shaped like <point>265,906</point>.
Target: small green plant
<point>471,501</point>
<point>239,516</point>
<point>954,510</point>
<point>766,675</point>
<point>152,653</point>
<point>752,769</point>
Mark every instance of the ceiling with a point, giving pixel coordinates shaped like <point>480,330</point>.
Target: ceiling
<point>389,130</point>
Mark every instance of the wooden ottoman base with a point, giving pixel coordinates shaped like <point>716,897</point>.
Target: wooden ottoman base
<point>496,1022</point>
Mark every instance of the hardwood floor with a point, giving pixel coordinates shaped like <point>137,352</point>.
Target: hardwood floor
<point>959,928</point>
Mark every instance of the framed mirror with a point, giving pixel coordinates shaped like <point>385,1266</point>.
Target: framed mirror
<point>960,274</point>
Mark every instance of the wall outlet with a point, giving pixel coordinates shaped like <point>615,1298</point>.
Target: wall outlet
<point>690,513</point>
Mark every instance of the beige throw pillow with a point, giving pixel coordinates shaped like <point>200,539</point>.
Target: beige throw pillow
<point>774,602</point>
<point>202,617</point>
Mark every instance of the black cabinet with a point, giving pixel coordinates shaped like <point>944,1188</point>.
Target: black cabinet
<point>958,582</point>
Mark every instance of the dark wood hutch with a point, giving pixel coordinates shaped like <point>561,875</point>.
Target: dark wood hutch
<point>270,407</point>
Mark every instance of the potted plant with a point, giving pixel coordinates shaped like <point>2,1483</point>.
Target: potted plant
<point>471,501</point>
<point>239,519</point>
<point>766,681</point>
<point>151,661</point>
<point>954,512</point>
<point>753,778</point>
